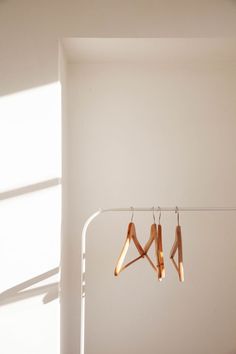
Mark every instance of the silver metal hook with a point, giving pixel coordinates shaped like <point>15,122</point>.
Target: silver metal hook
<point>159,220</point>
<point>153,214</point>
<point>177,212</point>
<point>132,216</point>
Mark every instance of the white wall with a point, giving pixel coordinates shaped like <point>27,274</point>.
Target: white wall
<point>143,134</point>
<point>29,33</point>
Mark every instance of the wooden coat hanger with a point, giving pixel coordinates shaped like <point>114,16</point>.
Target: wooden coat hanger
<point>131,235</point>
<point>178,246</point>
<point>155,236</point>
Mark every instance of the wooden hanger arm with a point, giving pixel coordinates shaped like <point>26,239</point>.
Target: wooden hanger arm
<point>137,245</point>
<point>181,272</point>
<point>180,254</point>
<point>151,238</point>
<point>122,255</point>
<point>160,256</point>
<point>174,249</point>
<point>178,245</point>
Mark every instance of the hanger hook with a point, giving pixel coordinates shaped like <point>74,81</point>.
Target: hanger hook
<point>177,212</point>
<point>159,220</point>
<point>132,216</point>
<point>153,214</point>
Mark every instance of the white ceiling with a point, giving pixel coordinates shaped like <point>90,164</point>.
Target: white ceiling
<point>149,49</point>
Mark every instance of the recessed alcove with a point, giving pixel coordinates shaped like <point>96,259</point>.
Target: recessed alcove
<point>149,121</point>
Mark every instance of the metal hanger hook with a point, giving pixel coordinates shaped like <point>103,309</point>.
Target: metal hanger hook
<point>177,212</point>
<point>153,214</point>
<point>132,216</point>
<point>159,220</point>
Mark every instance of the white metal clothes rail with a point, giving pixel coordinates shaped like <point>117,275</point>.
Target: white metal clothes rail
<point>130,209</point>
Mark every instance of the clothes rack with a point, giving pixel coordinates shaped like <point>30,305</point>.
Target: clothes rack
<point>130,209</point>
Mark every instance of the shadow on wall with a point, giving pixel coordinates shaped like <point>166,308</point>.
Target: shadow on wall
<point>29,55</point>
<point>30,188</point>
<point>18,292</point>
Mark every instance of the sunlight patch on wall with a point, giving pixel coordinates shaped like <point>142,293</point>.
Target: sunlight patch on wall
<point>30,136</point>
